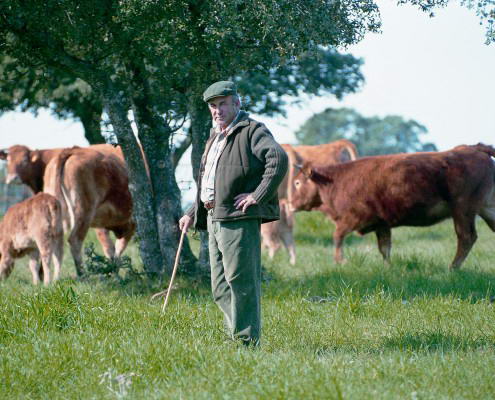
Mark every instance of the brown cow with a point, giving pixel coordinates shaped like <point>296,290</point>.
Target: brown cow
<point>421,189</point>
<point>273,233</point>
<point>93,190</point>
<point>33,227</point>
<point>28,166</point>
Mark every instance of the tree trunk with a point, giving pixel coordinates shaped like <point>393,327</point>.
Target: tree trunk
<point>90,116</point>
<point>154,136</point>
<point>200,131</point>
<point>139,184</point>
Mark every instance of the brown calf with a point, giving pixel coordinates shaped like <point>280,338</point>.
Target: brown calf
<point>33,227</point>
<point>382,192</point>
<point>273,233</point>
<point>92,188</point>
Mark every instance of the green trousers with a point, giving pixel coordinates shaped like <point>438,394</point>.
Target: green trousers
<point>235,259</point>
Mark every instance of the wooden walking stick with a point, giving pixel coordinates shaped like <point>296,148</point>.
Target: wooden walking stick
<point>176,264</point>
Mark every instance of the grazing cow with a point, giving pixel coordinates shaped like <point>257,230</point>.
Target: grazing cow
<point>33,227</point>
<point>273,233</point>
<point>28,166</point>
<point>421,189</point>
<point>93,189</point>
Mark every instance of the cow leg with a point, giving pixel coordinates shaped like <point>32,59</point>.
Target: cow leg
<point>272,249</point>
<point>103,236</point>
<point>46,258</point>
<point>488,215</point>
<point>123,238</point>
<point>57,257</point>
<point>288,240</point>
<point>338,240</point>
<point>6,263</point>
<point>384,238</point>
<point>34,266</point>
<point>76,239</point>
<point>465,228</point>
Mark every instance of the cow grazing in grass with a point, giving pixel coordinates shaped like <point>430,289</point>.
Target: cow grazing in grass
<point>92,188</point>
<point>277,232</point>
<point>28,167</point>
<point>33,227</point>
<point>421,189</point>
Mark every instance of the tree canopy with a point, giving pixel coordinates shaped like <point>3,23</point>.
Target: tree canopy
<point>371,135</point>
<point>152,56</point>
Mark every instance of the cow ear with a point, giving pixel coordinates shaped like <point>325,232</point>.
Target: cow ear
<point>35,156</point>
<point>297,167</point>
<point>3,154</point>
<point>307,171</point>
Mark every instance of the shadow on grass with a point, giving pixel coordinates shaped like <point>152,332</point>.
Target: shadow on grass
<point>406,281</point>
<point>417,342</point>
<point>435,341</point>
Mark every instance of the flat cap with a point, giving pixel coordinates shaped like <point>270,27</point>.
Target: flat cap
<point>220,88</point>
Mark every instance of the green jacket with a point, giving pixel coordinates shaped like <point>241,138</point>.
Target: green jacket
<point>251,162</point>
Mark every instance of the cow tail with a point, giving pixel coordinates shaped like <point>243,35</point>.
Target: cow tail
<point>56,218</point>
<point>61,191</point>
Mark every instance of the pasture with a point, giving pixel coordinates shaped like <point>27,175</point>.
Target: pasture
<point>361,330</point>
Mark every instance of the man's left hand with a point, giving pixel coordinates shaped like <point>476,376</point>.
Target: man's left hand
<point>243,201</point>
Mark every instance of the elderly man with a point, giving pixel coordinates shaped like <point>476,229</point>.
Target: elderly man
<point>240,171</point>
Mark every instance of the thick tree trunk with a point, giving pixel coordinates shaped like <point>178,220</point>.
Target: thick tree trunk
<point>90,117</point>
<point>200,131</point>
<point>139,184</point>
<point>154,136</point>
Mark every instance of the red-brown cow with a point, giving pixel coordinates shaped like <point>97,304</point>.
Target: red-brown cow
<point>28,167</point>
<point>273,233</point>
<point>421,189</point>
<point>33,227</point>
<point>93,190</point>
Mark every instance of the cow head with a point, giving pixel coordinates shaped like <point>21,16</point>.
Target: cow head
<point>304,194</point>
<point>303,199</point>
<point>20,164</point>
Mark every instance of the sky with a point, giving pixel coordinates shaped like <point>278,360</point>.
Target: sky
<point>437,71</point>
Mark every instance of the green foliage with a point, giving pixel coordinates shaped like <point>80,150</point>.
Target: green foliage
<point>371,135</point>
<point>485,10</point>
<point>323,70</point>
<point>121,268</point>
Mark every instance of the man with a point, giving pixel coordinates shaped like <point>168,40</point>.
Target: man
<point>240,171</point>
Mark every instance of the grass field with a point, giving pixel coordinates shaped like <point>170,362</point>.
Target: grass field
<point>357,331</point>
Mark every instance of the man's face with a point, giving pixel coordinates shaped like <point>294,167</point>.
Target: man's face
<point>223,110</point>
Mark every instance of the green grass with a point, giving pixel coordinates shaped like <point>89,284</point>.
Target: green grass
<point>361,330</point>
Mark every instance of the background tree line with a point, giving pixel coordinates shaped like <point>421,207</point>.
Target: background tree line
<point>371,135</point>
